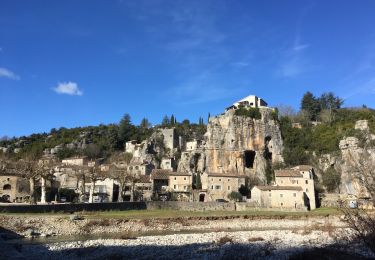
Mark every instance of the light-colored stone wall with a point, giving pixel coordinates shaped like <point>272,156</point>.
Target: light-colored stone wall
<point>75,161</point>
<point>306,183</point>
<point>278,198</point>
<point>18,190</point>
<point>219,187</point>
<point>180,183</point>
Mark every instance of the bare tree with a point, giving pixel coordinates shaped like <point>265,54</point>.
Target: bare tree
<point>30,170</point>
<point>124,178</point>
<point>46,168</point>
<point>93,173</point>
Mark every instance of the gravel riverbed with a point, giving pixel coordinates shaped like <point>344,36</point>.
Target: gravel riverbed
<point>236,238</point>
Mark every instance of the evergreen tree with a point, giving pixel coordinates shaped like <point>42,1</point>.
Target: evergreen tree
<point>165,122</point>
<point>172,120</point>
<point>311,105</point>
<point>126,129</point>
<point>198,182</point>
<point>145,124</point>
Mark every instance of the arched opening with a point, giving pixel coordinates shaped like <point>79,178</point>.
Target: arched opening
<point>7,187</point>
<point>201,197</point>
<point>249,157</point>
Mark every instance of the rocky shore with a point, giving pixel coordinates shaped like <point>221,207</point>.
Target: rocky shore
<point>193,238</point>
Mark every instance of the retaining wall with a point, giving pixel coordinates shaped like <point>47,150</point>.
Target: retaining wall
<point>146,205</point>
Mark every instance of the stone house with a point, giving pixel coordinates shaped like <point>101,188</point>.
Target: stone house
<point>160,181</point>
<point>168,164</point>
<point>77,161</point>
<point>294,188</point>
<point>140,168</point>
<point>299,176</point>
<point>181,185</point>
<point>103,190</point>
<point>218,185</point>
<point>14,188</point>
<point>278,196</point>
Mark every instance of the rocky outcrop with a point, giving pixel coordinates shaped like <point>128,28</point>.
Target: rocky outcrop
<point>355,161</point>
<point>237,144</point>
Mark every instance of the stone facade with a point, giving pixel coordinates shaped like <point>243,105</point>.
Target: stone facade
<point>278,196</point>
<point>14,188</point>
<point>218,186</point>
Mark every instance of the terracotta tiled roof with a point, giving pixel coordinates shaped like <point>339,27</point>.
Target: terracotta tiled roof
<point>302,167</point>
<point>160,174</point>
<point>229,175</point>
<point>297,188</point>
<point>144,179</point>
<point>288,173</point>
<point>180,174</point>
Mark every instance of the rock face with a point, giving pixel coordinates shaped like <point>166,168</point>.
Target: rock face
<point>355,161</point>
<point>237,145</point>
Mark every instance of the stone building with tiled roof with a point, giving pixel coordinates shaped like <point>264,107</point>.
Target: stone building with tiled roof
<point>291,185</point>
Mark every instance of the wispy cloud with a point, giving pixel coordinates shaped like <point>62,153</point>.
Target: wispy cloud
<point>240,64</point>
<point>202,89</point>
<point>5,73</point>
<point>293,62</point>
<point>68,88</point>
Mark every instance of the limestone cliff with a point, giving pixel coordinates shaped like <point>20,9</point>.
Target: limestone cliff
<point>236,144</point>
<point>354,158</point>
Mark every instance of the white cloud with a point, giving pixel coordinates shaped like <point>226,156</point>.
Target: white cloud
<point>5,73</point>
<point>68,88</point>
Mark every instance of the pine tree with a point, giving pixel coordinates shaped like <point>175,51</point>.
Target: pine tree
<point>172,120</point>
<point>165,122</point>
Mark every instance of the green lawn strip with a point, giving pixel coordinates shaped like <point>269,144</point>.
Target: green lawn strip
<point>145,214</point>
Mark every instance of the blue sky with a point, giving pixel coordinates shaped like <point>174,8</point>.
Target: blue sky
<point>78,63</point>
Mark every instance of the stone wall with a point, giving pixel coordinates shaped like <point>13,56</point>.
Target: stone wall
<point>147,205</point>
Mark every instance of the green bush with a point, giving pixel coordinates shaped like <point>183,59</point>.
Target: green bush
<point>252,112</point>
<point>331,179</point>
<point>234,195</point>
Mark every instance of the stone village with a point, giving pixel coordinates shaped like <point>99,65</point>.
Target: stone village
<point>232,157</point>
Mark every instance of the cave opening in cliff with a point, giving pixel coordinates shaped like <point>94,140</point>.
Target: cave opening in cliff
<point>249,157</point>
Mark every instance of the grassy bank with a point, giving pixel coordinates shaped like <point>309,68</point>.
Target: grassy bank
<point>145,214</point>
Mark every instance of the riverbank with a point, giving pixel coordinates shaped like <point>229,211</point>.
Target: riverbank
<point>178,235</point>
<point>142,221</point>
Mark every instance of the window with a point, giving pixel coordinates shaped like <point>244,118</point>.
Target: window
<point>294,194</point>
<point>212,187</point>
<point>306,181</point>
<point>307,190</point>
<point>174,186</point>
<point>281,195</point>
<point>185,188</point>
<point>219,179</point>
<point>228,179</point>
<point>217,187</point>
<point>281,181</point>
<point>136,167</point>
<point>175,178</point>
<point>281,204</point>
<point>228,187</point>
<point>297,182</point>
<point>184,178</point>
<point>269,194</point>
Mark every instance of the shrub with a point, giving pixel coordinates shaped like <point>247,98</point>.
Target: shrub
<point>225,240</point>
<point>252,112</point>
<point>331,179</point>
<point>234,195</point>
<point>255,239</point>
